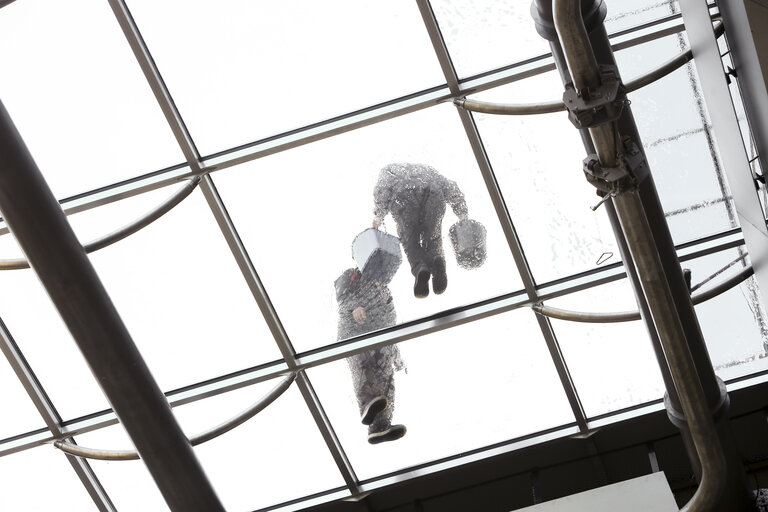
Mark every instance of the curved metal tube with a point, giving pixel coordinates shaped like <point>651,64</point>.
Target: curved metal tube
<point>548,107</point>
<point>628,316</point>
<point>127,230</point>
<point>250,412</point>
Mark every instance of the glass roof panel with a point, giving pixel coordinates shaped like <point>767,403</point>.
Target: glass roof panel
<point>449,396</point>
<point>613,365</point>
<point>47,345</point>
<point>263,69</point>
<point>279,454</point>
<point>178,289</point>
<point>21,414</point>
<point>624,14</point>
<point>299,211</point>
<point>537,160</point>
<point>77,96</point>
<point>484,34</point>
<point>734,324</point>
<point>673,124</point>
<point>41,479</point>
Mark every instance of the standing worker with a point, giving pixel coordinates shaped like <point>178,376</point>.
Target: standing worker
<point>416,196</point>
<point>365,305</point>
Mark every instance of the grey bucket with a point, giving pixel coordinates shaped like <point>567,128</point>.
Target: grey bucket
<point>468,238</point>
<point>377,254</point>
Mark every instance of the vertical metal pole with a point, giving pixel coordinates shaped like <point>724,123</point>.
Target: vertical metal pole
<point>701,394</point>
<point>41,228</point>
<point>502,212</point>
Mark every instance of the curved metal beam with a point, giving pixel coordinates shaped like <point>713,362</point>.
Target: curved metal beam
<point>628,316</point>
<point>548,107</point>
<point>235,421</point>
<point>127,230</point>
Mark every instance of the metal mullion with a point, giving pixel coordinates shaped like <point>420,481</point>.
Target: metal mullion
<point>278,331</point>
<point>156,82</point>
<point>51,417</point>
<point>504,217</point>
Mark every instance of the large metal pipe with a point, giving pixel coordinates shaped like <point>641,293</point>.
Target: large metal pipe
<point>36,220</point>
<point>700,392</point>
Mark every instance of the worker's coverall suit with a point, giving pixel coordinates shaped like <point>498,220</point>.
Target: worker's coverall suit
<point>372,371</point>
<point>416,196</point>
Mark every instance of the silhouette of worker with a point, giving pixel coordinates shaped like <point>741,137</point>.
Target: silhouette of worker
<point>365,305</point>
<point>416,196</point>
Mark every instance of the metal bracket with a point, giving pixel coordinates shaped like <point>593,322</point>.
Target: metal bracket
<point>596,106</point>
<point>632,169</point>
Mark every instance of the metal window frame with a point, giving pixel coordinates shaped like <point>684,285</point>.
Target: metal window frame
<point>197,165</point>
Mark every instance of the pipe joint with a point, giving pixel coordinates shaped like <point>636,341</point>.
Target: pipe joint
<point>719,406</point>
<point>598,105</point>
<point>632,168</point>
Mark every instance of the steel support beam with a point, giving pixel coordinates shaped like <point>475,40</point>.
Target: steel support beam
<point>54,252</point>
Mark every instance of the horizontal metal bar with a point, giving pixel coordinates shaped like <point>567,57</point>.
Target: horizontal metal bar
<point>548,107</point>
<point>235,421</point>
<point>124,232</point>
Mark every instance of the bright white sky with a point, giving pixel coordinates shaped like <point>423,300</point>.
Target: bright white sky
<point>243,70</point>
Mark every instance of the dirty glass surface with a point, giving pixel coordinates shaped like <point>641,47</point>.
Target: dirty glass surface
<point>734,324</point>
<point>624,14</point>
<point>538,164</point>
<point>506,374</point>
<point>262,71</point>
<point>68,76</point>
<point>25,417</point>
<point>483,34</point>
<point>301,240</point>
<point>677,137</point>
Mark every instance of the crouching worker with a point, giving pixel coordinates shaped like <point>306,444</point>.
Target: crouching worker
<point>365,305</point>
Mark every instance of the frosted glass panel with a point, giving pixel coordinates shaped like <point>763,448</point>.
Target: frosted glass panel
<point>265,68</point>
<point>457,395</point>
<point>299,211</point>
<point>78,97</point>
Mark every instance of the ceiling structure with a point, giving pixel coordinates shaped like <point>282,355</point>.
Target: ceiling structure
<point>239,146</point>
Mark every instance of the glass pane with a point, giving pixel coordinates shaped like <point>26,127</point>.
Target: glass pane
<point>41,479</point>
<point>265,68</point>
<point>250,467</point>
<point>624,14</point>
<point>734,323</point>
<point>276,456</point>
<point>179,290</point>
<point>484,34</point>
<point>20,413</point>
<point>673,124</point>
<point>46,343</point>
<point>613,365</point>
<point>455,395</point>
<point>78,97</point>
<point>538,163</point>
<point>299,211</point>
